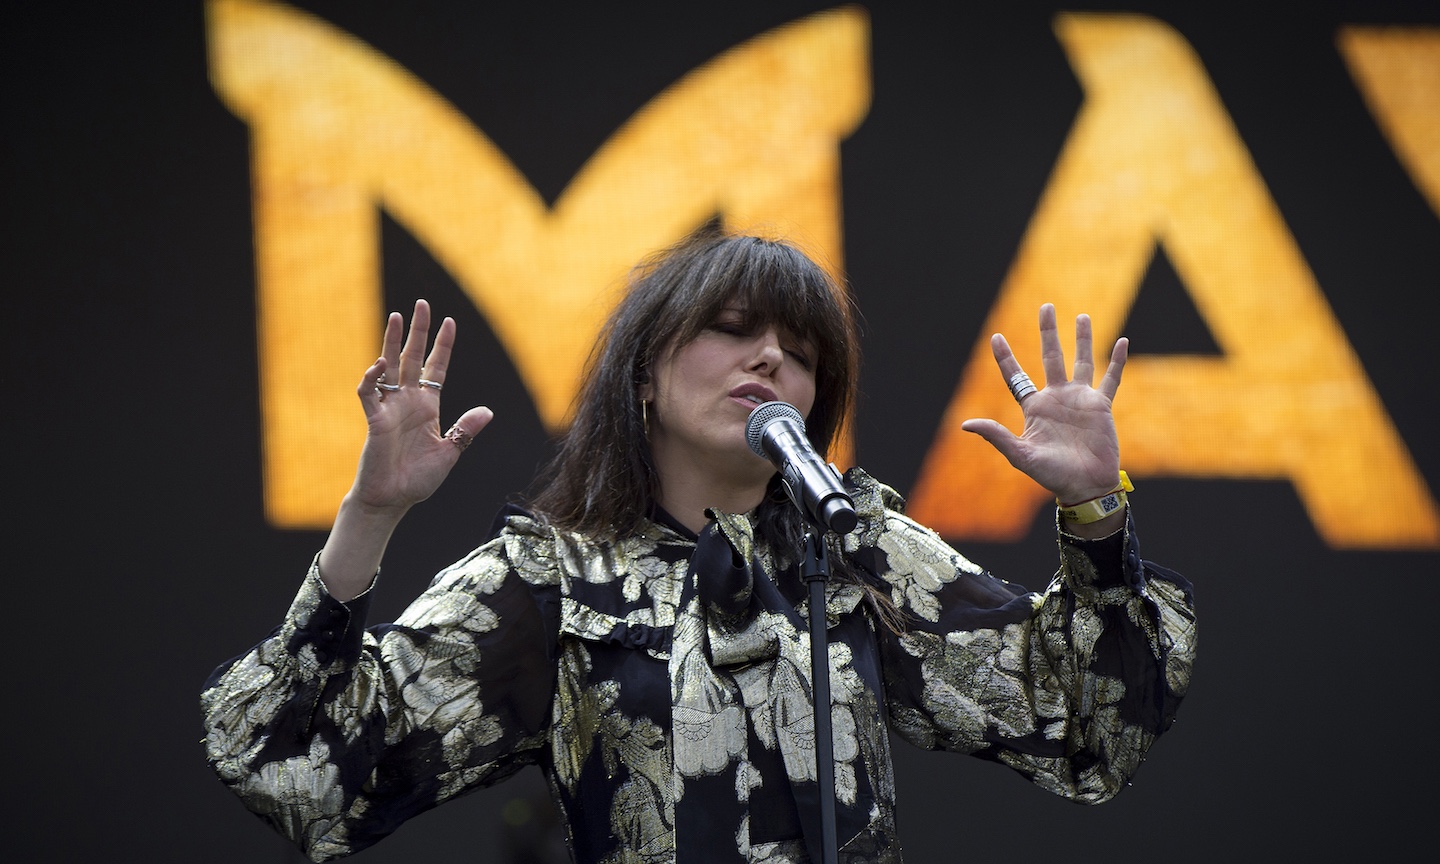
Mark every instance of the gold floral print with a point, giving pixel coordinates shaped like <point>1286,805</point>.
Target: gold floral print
<point>648,700</point>
<point>637,818</point>
<point>786,852</point>
<point>920,566</point>
<point>1176,634</point>
<point>707,716</point>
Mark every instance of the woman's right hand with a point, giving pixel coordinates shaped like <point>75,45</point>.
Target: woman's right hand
<point>405,457</point>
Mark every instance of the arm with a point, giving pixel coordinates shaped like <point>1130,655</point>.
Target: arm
<point>336,735</point>
<point>1069,687</point>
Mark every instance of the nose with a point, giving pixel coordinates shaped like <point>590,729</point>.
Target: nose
<point>768,355</point>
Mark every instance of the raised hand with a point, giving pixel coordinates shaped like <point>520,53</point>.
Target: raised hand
<point>406,458</point>
<point>1068,445</point>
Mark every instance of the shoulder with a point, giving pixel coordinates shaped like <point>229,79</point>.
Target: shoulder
<point>885,536</point>
<point>528,543</point>
<point>879,508</point>
<point>544,554</point>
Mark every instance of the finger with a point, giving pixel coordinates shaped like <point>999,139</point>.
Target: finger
<point>1051,355</point>
<point>1004,356</point>
<point>1000,438</point>
<point>1010,369</point>
<point>439,360</point>
<point>390,344</point>
<point>369,390</point>
<point>469,425</point>
<point>1111,382</point>
<point>475,419</point>
<point>1084,351</point>
<point>412,358</point>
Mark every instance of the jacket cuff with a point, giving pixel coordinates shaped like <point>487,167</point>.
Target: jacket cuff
<point>323,633</point>
<point>1104,562</point>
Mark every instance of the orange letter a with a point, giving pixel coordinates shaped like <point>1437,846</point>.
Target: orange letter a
<point>1153,157</point>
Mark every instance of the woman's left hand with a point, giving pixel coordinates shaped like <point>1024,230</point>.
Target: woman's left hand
<point>1069,445</point>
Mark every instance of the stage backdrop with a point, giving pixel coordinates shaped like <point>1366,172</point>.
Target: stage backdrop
<point>211,206</point>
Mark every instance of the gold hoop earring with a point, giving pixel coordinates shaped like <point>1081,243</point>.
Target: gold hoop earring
<point>645,417</point>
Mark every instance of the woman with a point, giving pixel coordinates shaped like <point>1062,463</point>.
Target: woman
<point>638,628</point>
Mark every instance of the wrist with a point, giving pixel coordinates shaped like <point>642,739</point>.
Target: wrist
<point>351,556</point>
<point>1098,507</point>
<point>1094,530</point>
<point>356,507</point>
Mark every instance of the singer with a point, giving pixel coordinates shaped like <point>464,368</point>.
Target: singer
<point>635,626</point>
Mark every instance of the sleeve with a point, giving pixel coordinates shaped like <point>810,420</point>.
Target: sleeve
<point>335,735</point>
<point>1069,687</point>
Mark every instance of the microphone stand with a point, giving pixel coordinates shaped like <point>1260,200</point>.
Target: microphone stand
<point>816,572</point>
<point>776,432</point>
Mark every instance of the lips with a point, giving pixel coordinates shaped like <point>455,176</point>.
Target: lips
<point>753,393</point>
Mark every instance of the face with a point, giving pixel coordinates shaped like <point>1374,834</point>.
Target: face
<point>702,394</point>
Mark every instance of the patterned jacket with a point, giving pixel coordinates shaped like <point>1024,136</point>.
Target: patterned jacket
<point>663,684</point>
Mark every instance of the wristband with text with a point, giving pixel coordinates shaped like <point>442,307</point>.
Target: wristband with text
<point>1098,508</point>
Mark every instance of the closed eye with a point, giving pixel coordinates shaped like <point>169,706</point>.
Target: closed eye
<point>739,327</point>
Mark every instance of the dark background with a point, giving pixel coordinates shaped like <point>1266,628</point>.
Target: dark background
<point>137,557</point>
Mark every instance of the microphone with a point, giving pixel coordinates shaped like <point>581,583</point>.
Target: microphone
<point>776,432</point>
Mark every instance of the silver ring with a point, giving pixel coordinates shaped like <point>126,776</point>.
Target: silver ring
<point>426,382</point>
<point>1021,386</point>
<point>390,388</point>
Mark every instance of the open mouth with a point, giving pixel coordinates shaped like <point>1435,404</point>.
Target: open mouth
<point>753,394</point>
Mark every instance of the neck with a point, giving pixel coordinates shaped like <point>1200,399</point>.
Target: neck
<point>686,495</point>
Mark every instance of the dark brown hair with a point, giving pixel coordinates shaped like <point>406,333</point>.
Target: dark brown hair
<point>602,479</point>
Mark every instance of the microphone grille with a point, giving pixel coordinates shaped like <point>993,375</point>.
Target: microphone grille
<point>761,417</point>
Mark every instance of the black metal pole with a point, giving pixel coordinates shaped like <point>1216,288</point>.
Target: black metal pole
<point>816,572</point>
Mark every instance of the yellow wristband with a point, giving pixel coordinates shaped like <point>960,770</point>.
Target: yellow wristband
<point>1098,508</point>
